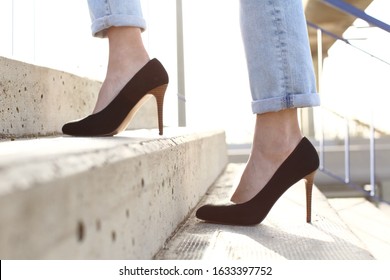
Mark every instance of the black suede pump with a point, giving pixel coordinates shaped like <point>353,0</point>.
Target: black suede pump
<point>152,79</point>
<point>302,163</point>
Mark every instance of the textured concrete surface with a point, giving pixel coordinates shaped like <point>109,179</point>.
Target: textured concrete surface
<point>284,234</point>
<point>369,223</point>
<point>102,198</point>
<point>36,101</point>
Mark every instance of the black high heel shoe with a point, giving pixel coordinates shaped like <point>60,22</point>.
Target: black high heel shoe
<point>152,79</point>
<point>302,163</point>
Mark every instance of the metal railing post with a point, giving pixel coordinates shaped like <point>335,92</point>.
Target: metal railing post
<point>372,156</point>
<point>347,163</point>
<point>13,29</point>
<point>319,84</point>
<point>180,64</point>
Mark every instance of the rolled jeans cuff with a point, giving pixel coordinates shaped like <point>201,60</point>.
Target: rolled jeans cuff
<point>99,26</point>
<point>276,104</point>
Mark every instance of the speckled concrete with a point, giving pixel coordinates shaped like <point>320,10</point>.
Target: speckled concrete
<point>36,101</point>
<point>102,198</point>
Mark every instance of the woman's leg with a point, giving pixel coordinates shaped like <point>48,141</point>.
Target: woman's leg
<point>122,23</point>
<point>281,79</point>
<point>127,55</point>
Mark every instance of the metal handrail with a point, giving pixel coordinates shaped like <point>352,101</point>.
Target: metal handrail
<point>338,38</point>
<point>352,10</point>
<point>347,8</point>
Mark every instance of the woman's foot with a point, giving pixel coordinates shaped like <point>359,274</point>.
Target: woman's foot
<point>152,79</point>
<point>276,135</point>
<point>127,55</point>
<point>302,163</point>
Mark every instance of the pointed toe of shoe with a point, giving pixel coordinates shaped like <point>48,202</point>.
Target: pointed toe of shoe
<point>67,128</point>
<point>202,212</point>
<point>74,128</point>
<point>85,127</point>
<point>213,213</point>
<point>70,128</point>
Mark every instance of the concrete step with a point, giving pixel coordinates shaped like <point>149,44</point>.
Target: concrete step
<point>284,234</point>
<point>37,101</point>
<point>371,224</point>
<point>102,198</point>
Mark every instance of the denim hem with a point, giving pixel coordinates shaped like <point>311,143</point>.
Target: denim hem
<point>285,102</point>
<point>99,26</point>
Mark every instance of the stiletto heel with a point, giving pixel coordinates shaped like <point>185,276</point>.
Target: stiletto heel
<point>309,180</point>
<point>159,94</point>
<point>152,79</point>
<point>300,164</point>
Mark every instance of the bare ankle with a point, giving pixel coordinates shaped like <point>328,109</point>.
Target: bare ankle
<point>277,130</point>
<point>127,55</point>
<point>276,135</point>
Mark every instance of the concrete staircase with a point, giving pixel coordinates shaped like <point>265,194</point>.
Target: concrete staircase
<point>91,198</point>
<point>102,198</point>
<point>341,229</point>
<point>132,196</point>
<point>37,101</point>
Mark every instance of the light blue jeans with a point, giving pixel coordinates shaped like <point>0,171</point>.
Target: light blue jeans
<point>278,55</point>
<point>107,13</point>
<point>276,45</point>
